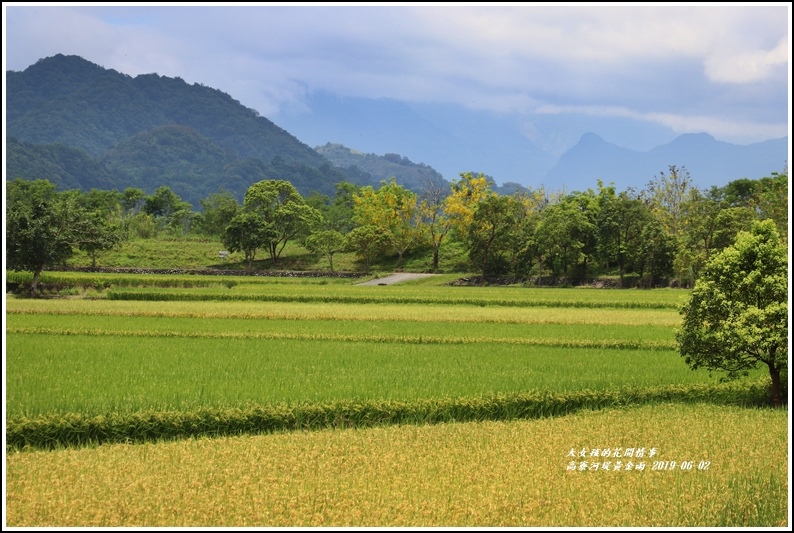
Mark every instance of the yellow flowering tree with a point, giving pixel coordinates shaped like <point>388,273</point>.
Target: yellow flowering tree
<point>394,209</point>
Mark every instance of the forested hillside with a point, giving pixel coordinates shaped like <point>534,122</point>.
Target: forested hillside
<point>66,167</point>
<point>82,126</point>
<point>414,176</point>
<point>70,100</point>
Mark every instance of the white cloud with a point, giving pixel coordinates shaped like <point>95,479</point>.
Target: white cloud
<point>41,32</point>
<point>749,66</point>
<point>509,58</point>
<point>727,128</point>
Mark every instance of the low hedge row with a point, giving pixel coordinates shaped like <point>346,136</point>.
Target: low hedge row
<point>76,429</point>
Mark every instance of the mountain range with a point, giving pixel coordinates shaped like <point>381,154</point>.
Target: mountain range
<point>709,162</point>
<point>547,152</point>
<point>82,126</point>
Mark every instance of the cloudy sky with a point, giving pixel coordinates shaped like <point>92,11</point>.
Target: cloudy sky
<point>723,70</point>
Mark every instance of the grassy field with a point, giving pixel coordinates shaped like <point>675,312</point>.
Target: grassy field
<point>190,252</point>
<point>512,378</point>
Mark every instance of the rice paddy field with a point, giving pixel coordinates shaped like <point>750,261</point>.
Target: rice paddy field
<point>199,401</point>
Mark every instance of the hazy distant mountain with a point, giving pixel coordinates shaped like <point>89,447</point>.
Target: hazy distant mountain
<point>713,162</point>
<point>416,177</point>
<point>445,137</point>
<point>528,150</point>
<point>709,162</point>
<point>591,159</point>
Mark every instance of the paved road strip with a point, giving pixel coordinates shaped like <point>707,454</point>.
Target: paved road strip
<point>396,278</point>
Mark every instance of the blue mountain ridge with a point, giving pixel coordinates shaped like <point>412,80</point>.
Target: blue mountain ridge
<point>451,140</point>
<point>710,162</point>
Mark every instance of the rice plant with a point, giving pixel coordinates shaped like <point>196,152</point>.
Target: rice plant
<point>479,474</point>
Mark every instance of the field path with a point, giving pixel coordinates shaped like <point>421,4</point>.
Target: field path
<point>396,278</point>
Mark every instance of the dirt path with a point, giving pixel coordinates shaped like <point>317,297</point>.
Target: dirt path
<point>396,278</point>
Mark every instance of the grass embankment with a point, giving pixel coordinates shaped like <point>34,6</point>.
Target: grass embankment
<point>190,252</point>
<point>476,474</point>
<point>198,253</point>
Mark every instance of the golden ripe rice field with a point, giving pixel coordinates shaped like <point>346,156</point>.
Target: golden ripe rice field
<point>702,467</point>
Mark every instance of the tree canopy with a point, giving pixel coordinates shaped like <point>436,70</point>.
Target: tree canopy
<point>737,316</point>
<point>279,204</point>
<point>40,226</point>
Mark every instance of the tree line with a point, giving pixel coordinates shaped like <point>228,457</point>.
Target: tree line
<point>663,234</point>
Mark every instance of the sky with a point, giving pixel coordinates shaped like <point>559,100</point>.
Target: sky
<point>720,69</point>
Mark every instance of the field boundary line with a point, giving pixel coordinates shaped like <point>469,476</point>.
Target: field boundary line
<point>265,315</point>
<point>163,296</point>
<point>404,339</point>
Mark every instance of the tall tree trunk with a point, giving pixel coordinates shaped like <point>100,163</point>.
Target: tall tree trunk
<point>35,283</point>
<point>774,373</point>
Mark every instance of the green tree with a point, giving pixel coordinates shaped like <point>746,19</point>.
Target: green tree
<point>621,219</point>
<point>656,253</point>
<point>339,215</point>
<point>219,209</point>
<point>96,232</point>
<point>668,196</point>
<point>163,202</point>
<point>132,200</point>
<point>433,223</point>
<point>99,227</point>
<point>106,202</point>
<point>279,204</point>
<point>525,250</point>
<point>709,224</point>
<point>368,243</point>
<point>141,225</point>
<point>695,243</point>
<point>740,192</point>
<point>566,234</point>
<point>737,316</point>
<point>181,221</point>
<point>490,233</point>
<point>169,210</point>
<point>246,233</point>
<point>771,200</point>
<point>326,242</point>
<point>40,226</point>
<point>730,221</point>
